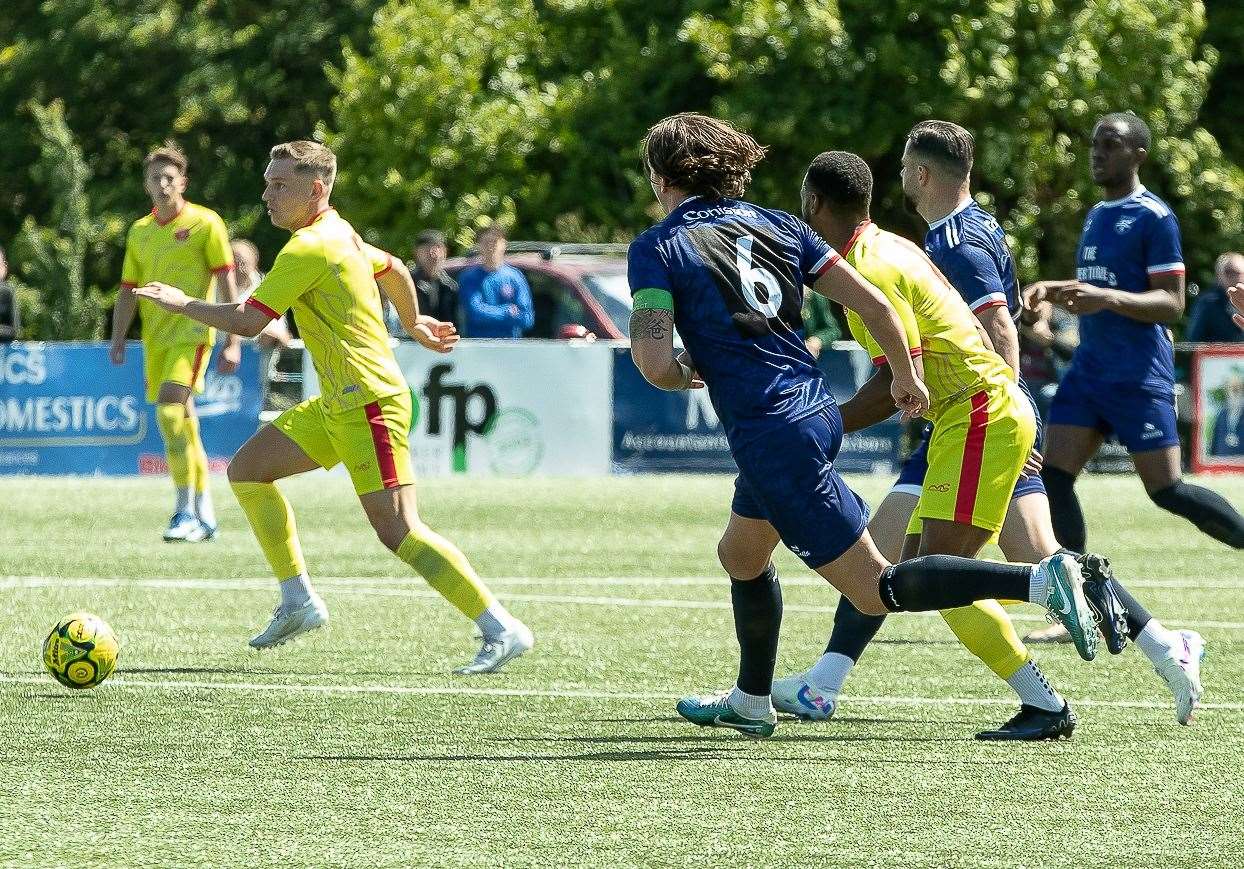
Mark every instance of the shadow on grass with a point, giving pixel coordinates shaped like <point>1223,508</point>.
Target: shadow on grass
<point>149,671</point>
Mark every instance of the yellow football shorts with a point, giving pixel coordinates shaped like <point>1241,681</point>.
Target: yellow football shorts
<point>183,364</point>
<point>976,454</point>
<point>372,441</point>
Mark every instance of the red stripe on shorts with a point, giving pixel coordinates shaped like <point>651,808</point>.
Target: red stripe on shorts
<point>384,447</point>
<point>198,360</point>
<point>973,457</point>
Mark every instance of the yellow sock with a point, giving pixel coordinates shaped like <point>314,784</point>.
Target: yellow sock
<point>172,421</point>
<point>198,455</point>
<point>987,633</point>
<point>272,520</point>
<point>447,570</point>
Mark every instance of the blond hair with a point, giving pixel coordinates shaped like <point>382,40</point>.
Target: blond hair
<point>168,153</point>
<point>310,158</point>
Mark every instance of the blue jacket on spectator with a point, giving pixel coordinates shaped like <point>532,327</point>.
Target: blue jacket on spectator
<point>1210,319</point>
<point>486,298</point>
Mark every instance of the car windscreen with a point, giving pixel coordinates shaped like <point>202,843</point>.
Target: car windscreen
<point>613,293</point>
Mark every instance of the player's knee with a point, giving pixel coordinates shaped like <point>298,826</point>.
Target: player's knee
<point>392,531</point>
<point>740,561</point>
<point>1170,497</point>
<point>868,600</point>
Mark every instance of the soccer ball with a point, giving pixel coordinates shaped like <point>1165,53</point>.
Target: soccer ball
<point>81,650</point>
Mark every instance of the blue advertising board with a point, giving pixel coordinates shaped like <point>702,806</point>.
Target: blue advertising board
<point>66,409</point>
<point>658,431</point>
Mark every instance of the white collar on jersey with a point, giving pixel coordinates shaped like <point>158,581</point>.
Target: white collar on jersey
<point>1140,188</point>
<point>960,208</point>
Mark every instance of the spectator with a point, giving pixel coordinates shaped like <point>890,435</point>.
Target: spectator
<point>820,326</point>
<point>1210,319</point>
<point>1228,431</point>
<point>276,335</point>
<point>9,319</point>
<point>437,292</point>
<point>496,300</point>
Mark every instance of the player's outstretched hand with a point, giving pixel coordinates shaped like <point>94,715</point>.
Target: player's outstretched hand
<point>1042,291</point>
<point>1236,295</point>
<point>437,335</point>
<point>169,298</point>
<point>230,357</point>
<point>117,353</point>
<point>1083,298</point>
<point>910,396</point>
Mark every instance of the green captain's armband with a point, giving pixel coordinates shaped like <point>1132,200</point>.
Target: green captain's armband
<point>653,299</point>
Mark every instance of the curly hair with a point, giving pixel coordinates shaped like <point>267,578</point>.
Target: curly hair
<point>702,155</point>
<point>843,179</point>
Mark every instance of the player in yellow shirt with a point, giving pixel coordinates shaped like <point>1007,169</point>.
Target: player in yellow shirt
<point>333,282</point>
<point>983,434</point>
<point>184,244</point>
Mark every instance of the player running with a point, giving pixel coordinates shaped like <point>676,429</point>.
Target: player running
<point>1129,284</point>
<point>332,280</point>
<point>730,275</point>
<point>972,247</point>
<point>184,244</point>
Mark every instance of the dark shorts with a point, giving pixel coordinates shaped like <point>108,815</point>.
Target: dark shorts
<point>787,478</point>
<point>911,475</point>
<point>1141,417</point>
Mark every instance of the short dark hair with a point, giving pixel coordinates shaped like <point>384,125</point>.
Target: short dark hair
<point>702,155</point>
<point>496,228</point>
<point>948,145</point>
<point>1137,135</point>
<point>168,153</point>
<point>843,179</point>
<point>429,236</point>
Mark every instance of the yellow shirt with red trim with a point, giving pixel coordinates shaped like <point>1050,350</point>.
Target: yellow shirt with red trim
<point>940,327</point>
<point>327,275</point>
<point>187,252</point>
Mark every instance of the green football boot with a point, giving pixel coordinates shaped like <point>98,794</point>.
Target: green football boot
<point>714,710</point>
<point>1067,603</point>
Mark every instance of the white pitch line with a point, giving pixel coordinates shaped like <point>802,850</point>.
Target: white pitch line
<point>347,586</point>
<point>562,693</point>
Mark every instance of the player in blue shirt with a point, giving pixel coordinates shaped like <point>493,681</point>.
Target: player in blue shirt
<point>969,247</point>
<point>1129,284</point>
<point>496,300</point>
<point>729,276</point>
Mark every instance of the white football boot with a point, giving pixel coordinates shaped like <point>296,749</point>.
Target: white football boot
<point>1181,670</point>
<point>184,528</point>
<point>287,624</point>
<point>497,651</point>
<point>795,696</point>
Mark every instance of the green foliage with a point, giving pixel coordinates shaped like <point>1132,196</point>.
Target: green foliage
<point>449,113</point>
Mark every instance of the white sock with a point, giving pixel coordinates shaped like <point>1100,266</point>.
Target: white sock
<point>1033,689</point>
<point>295,591</point>
<point>829,672</point>
<point>494,621</point>
<point>204,509</point>
<point>1156,641</point>
<point>183,500</point>
<point>1039,586</point>
<point>750,705</point>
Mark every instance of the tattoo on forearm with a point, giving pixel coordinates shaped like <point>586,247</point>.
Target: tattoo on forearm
<point>652,323</point>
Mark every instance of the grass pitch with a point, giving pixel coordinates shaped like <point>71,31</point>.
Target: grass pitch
<point>356,747</point>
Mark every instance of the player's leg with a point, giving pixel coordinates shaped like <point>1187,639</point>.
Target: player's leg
<point>1074,434</point>
<point>1210,512</point>
<point>372,441</point>
<point>200,488</point>
<point>295,442</point>
<point>172,417</point>
<point>745,552</point>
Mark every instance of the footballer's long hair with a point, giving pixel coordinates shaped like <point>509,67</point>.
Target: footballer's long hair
<point>702,155</point>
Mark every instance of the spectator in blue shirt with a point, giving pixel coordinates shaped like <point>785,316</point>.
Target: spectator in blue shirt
<point>1211,313</point>
<point>496,300</point>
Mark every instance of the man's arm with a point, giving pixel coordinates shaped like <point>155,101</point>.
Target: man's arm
<point>231,353</point>
<point>236,319</point>
<point>474,301</point>
<point>844,285</point>
<point>398,286</point>
<point>122,318</point>
<point>1163,302</point>
<point>1000,329</point>
<point>871,404</point>
<point>652,349</point>
<point>526,307</point>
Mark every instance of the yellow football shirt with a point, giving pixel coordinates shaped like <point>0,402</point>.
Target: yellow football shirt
<point>940,327</point>
<point>327,275</point>
<point>187,253</point>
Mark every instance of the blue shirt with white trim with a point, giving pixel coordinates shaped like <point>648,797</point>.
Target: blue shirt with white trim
<point>1123,243</point>
<point>969,246</point>
<point>736,273</point>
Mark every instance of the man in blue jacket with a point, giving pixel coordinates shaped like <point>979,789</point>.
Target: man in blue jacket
<point>496,300</point>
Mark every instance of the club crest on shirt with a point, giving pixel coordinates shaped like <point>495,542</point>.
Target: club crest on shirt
<point>1123,224</point>
<point>181,234</point>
